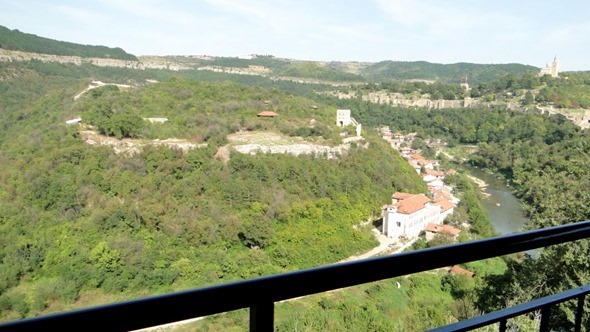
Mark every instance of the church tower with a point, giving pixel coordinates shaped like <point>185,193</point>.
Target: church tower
<point>552,70</point>
<point>554,67</point>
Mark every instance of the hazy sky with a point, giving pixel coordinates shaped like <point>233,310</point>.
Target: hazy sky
<point>499,31</point>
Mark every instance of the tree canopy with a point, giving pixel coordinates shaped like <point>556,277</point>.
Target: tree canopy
<point>19,41</point>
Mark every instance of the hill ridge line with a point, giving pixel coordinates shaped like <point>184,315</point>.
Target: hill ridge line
<point>20,56</point>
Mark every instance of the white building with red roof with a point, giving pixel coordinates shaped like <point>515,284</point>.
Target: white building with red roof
<point>446,208</point>
<point>409,214</point>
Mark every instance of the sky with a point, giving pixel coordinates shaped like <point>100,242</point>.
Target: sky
<point>440,31</point>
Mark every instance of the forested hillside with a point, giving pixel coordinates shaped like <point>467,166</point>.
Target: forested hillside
<point>81,225</point>
<point>290,68</point>
<point>204,112</point>
<point>544,158</point>
<point>20,41</point>
<point>446,73</point>
<point>573,92</point>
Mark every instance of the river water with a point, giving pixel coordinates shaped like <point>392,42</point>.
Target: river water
<point>504,209</point>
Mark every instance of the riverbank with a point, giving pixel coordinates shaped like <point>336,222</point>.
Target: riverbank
<point>480,183</point>
<point>503,208</point>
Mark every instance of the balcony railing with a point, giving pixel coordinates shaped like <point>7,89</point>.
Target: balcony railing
<point>259,295</point>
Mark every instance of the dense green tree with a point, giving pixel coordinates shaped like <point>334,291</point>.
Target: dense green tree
<point>528,98</point>
<point>19,41</point>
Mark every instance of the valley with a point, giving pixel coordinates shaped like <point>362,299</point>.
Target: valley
<point>180,172</point>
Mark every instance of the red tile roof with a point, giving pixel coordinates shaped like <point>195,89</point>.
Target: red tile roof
<point>444,204</point>
<point>459,270</point>
<point>435,173</point>
<point>412,204</point>
<point>430,227</point>
<point>400,195</point>
<point>417,157</point>
<point>267,114</point>
<point>434,228</point>
<point>441,193</point>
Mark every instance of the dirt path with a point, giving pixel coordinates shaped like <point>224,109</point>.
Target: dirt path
<point>386,245</point>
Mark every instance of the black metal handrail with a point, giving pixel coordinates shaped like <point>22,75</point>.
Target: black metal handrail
<point>544,304</point>
<point>260,294</point>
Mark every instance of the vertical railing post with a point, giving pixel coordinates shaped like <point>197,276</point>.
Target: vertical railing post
<point>503,325</point>
<point>579,313</point>
<point>262,317</point>
<point>545,314</point>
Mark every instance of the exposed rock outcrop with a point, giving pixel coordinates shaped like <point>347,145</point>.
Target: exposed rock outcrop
<point>15,56</point>
<point>398,99</point>
<point>131,147</point>
<point>250,70</point>
<point>298,149</point>
<point>270,142</point>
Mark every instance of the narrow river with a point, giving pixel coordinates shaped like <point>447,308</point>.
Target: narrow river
<point>504,209</point>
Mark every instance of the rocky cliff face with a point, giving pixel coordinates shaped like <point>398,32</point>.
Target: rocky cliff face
<point>14,56</point>
<point>295,149</point>
<point>270,142</point>
<point>131,147</point>
<point>250,70</point>
<point>397,99</point>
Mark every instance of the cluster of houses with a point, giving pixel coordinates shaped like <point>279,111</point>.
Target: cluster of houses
<point>409,215</point>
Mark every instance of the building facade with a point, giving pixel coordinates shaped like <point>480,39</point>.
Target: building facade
<point>550,70</point>
<point>343,118</point>
<point>409,214</point>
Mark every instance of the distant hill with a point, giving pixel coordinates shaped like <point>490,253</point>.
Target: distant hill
<point>476,73</point>
<point>377,72</point>
<point>268,65</point>
<point>280,67</point>
<point>19,41</point>
<point>358,72</point>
